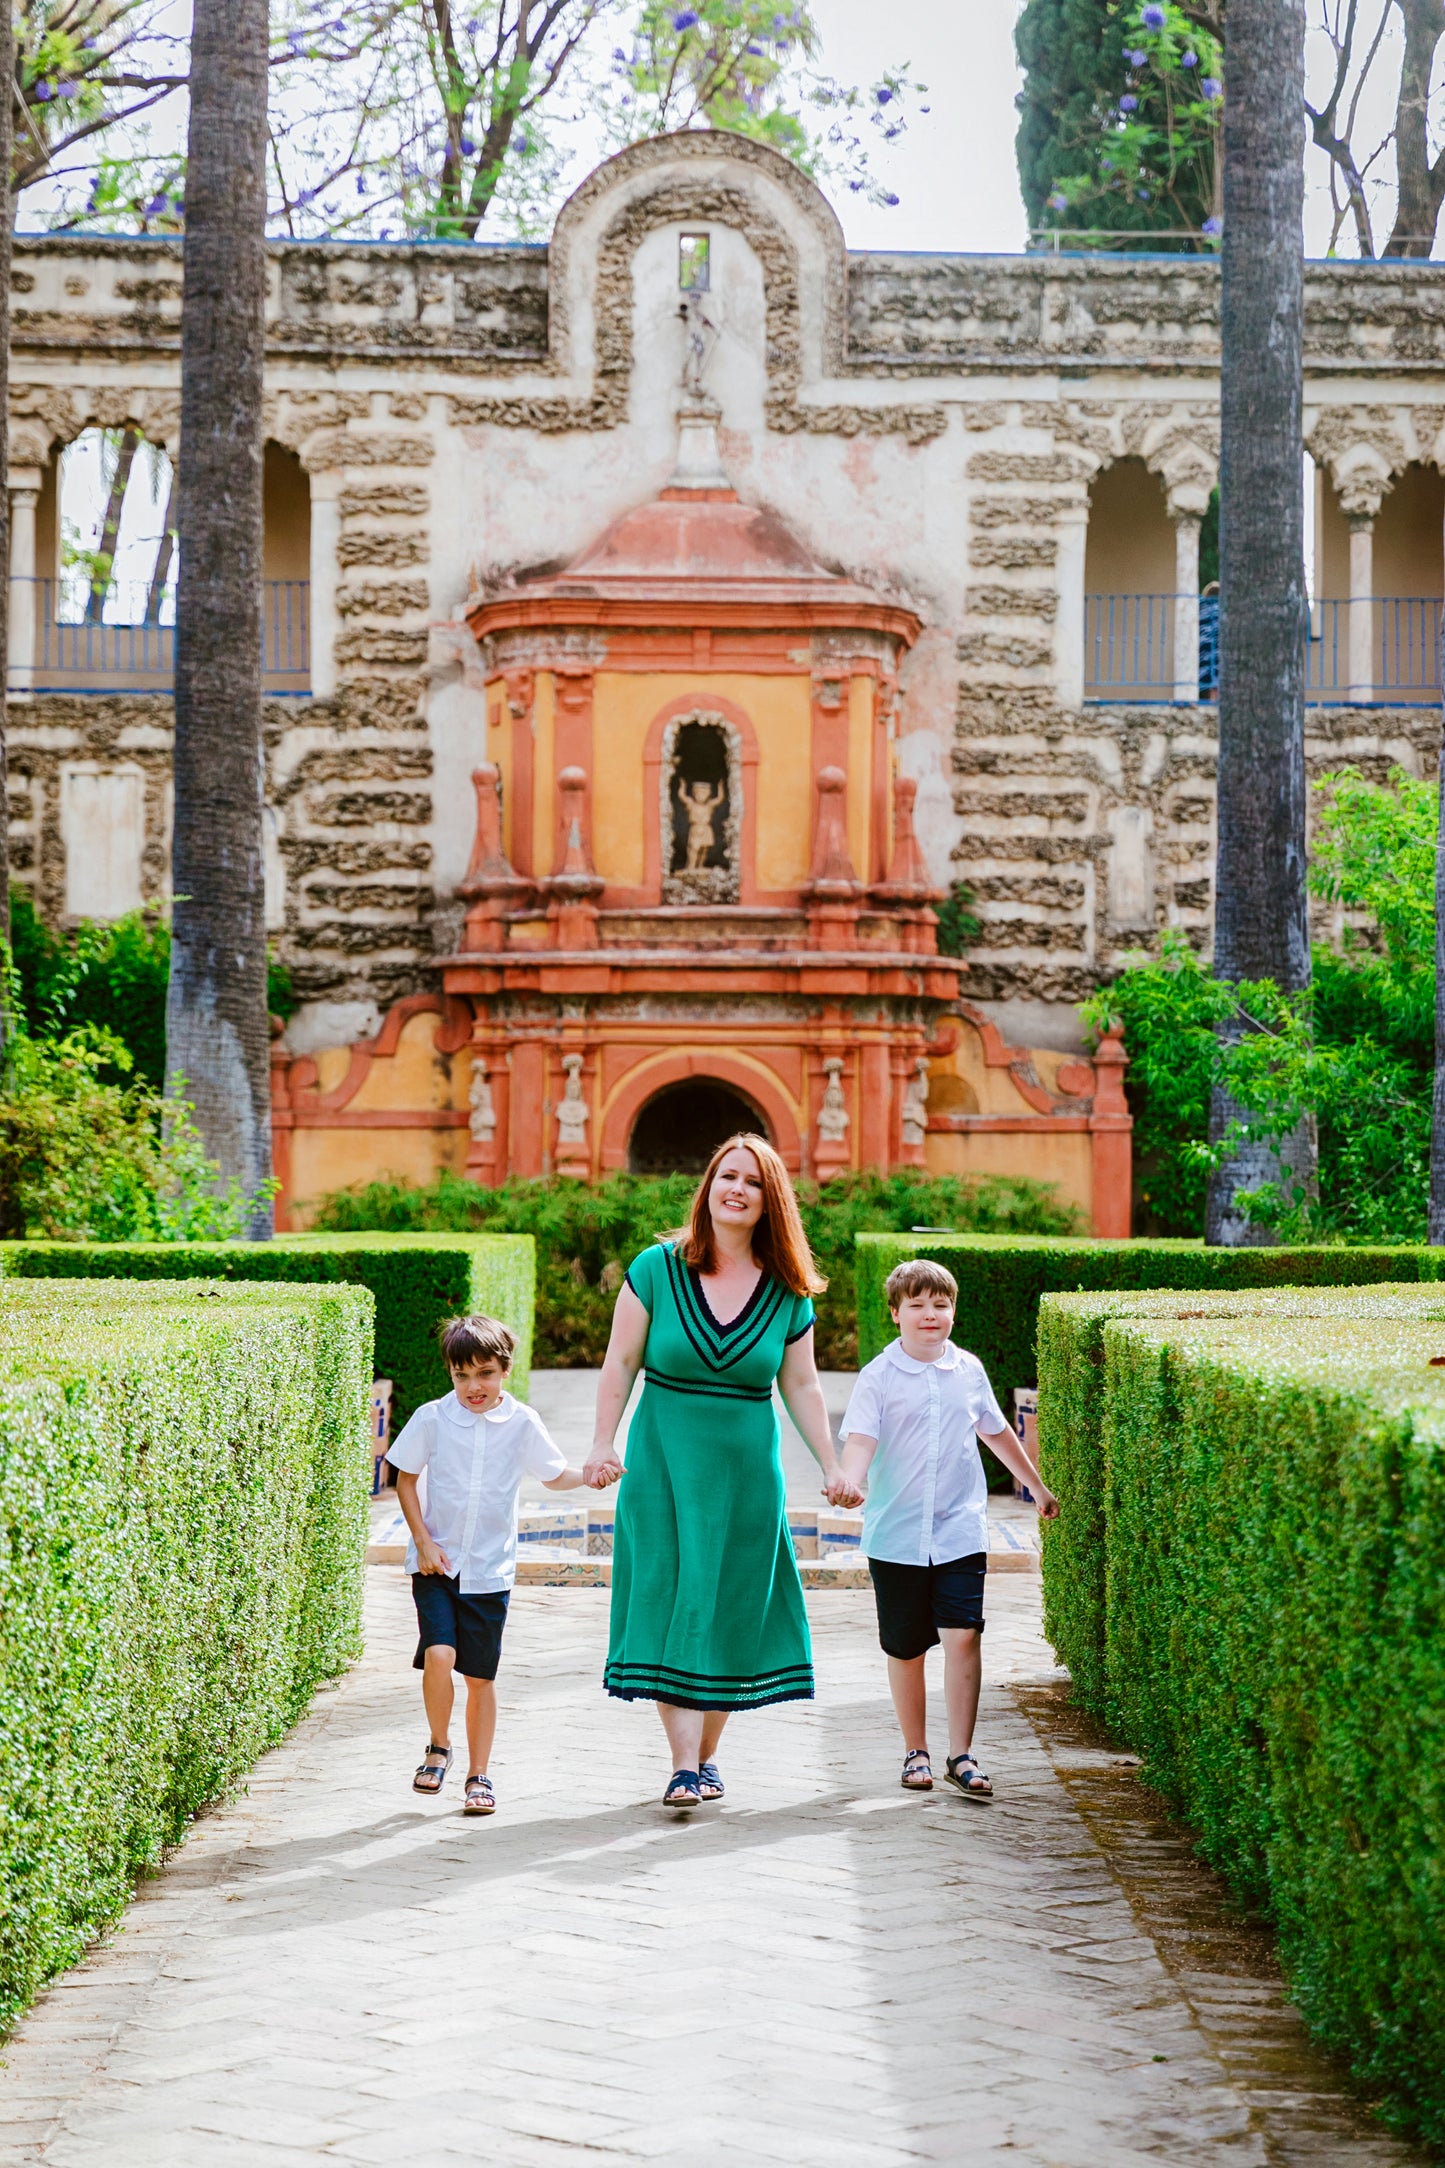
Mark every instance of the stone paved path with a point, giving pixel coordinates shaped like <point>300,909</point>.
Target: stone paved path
<point>826,1971</point>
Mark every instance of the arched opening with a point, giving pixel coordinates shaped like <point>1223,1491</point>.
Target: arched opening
<point>701,810</point>
<point>286,572</point>
<point>1375,616</point>
<point>680,1127</point>
<point>1129,582</point>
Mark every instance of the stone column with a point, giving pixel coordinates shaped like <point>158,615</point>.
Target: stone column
<point>1072,532</point>
<point>325,619</point>
<point>1186,606</point>
<point>1362,608</point>
<point>23,603</point>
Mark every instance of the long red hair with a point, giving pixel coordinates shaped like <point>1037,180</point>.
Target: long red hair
<point>779,1243</point>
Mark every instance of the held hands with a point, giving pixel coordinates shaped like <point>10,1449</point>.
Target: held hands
<point>840,1490</point>
<point>602,1468</point>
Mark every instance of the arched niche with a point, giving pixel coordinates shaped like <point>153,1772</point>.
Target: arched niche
<point>1131,539</point>
<point>701,809</point>
<point>679,1128</point>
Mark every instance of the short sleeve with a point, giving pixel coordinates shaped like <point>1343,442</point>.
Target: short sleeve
<point>411,1449</point>
<point>543,1456</point>
<point>864,1412</point>
<point>802,1318</point>
<point>641,1276</point>
<point>990,1418</point>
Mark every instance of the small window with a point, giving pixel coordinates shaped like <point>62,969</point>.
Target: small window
<point>694,252</point>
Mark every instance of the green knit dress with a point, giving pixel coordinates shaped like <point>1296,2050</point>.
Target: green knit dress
<point>707,1606</point>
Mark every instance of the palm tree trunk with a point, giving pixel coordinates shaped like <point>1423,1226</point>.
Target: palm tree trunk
<point>165,551</point>
<point>217,1028</point>
<point>7,222</point>
<point>1436,1224</point>
<point>126,450</point>
<point>1261,915</point>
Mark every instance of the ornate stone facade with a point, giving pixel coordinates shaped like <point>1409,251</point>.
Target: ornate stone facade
<point>469,418</point>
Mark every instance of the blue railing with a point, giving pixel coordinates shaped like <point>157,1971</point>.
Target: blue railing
<point>130,646</point>
<point>1129,650</point>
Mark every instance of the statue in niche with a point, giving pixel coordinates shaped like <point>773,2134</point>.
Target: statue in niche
<point>833,1113</point>
<point>572,1107</point>
<point>483,1119</point>
<point>915,1106</point>
<point>701,813</point>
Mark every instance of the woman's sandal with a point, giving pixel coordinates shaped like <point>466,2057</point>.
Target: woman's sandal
<point>709,1782</point>
<point>684,1791</point>
<point>480,1798</point>
<point>430,1775</point>
<point>917,1779</point>
<point>964,1774</point>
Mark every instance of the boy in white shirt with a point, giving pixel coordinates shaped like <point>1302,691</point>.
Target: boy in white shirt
<point>475,1445</point>
<point>911,1431</point>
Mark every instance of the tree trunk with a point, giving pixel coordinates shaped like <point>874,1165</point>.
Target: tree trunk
<point>1261,914</point>
<point>217,1028</point>
<point>110,526</point>
<point>1421,181</point>
<point>165,551</point>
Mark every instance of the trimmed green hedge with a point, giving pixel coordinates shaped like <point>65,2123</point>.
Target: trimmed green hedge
<point>183,1479</point>
<point>417,1281</point>
<point>1275,1641</point>
<point>1003,1278</point>
<point>1071,1431</point>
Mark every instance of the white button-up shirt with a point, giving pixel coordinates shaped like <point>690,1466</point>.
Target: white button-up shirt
<point>927,1493</point>
<point>472,1468</point>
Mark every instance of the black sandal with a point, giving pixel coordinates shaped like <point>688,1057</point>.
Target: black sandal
<point>480,1798</point>
<point>964,1774</point>
<point>917,1780</point>
<point>709,1782</point>
<point>428,1770</point>
<point>684,1791</point>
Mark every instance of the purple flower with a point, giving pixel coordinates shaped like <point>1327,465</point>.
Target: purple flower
<point>1189,60</point>
<point>883,96</point>
<point>1129,103</point>
<point>468,147</point>
<point>43,93</point>
<point>1137,58</point>
<point>684,18</point>
<point>1212,88</point>
<point>891,202</point>
<point>1212,226</point>
<point>156,205</point>
<point>1153,18</point>
<point>1058,201</point>
<point>65,90</point>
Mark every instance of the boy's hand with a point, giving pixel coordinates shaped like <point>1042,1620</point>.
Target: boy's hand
<point>603,1467</point>
<point>1048,1506</point>
<point>431,1558</point>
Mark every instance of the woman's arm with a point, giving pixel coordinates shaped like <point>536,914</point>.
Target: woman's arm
<point>803,1399</point>
<point>620,1366</point>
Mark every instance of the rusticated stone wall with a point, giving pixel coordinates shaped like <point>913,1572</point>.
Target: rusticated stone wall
<point>930,424</point>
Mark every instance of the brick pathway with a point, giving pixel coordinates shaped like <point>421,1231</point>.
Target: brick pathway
<point>827,1971</point>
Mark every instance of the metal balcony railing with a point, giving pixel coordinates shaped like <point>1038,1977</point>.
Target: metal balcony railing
<point>1383,652</point>
<point>58,646</point>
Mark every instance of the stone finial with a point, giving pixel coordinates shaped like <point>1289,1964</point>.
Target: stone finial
<point>490,872</point>
<point>832,876</point>
<point>907,880</point>
<point>576,875</point>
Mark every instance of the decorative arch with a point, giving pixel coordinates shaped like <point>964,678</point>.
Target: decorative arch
<point>750,1078</point>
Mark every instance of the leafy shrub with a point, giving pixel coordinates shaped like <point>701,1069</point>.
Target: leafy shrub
<point>84,1159</point>
<point>1356,1052</point>
<point>183,1481</point>
<point>587,1234</point>
<point>1274,1541</point>
<point>416,1281</point>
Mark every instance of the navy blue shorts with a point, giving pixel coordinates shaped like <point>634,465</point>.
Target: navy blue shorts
<point>914,1601</point>
<point>472,1625</point>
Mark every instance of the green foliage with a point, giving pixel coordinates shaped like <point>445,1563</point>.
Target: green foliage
<point>1273,1548</point>
<point>1356,1053</point>
<point>183,1477</point>
<point>959,926</point>
<point>416,1281</point>
<point>83,1159</point>
<point>1002,1279</point>
<point>588,1234</point>
<point>1121,111</point>
<point>111,975</point>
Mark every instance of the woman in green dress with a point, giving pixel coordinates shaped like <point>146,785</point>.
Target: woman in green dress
<point>707,1605</point>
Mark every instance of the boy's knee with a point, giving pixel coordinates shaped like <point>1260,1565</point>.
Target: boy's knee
<point>439,1657</point>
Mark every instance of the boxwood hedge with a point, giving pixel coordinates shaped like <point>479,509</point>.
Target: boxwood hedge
<point>182,1531</point>
<point>1274,1534</point>
<point>417,1280</point>
<point>1071,1431</point>
<point>1003,1278</point>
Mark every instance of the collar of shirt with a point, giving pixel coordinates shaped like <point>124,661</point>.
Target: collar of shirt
<point>453,1408</point>
<point>949,1358</point>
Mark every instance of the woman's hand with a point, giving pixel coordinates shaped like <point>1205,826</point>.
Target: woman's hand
<point>602,1468</point>
<point>841,1490</point>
